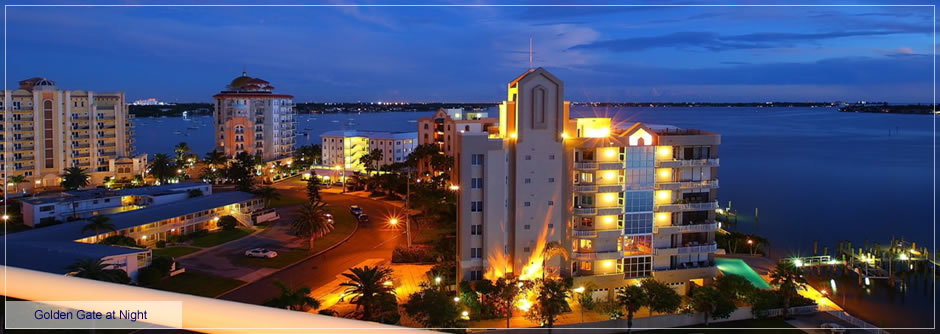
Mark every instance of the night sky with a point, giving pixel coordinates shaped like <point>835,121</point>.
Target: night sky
<point>468,54</point>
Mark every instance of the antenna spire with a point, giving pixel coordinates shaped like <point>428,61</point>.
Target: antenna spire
<point>530,52</point>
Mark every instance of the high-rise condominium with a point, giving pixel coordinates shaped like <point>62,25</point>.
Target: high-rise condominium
<point>626,201</point>
<point>251,118</point>
<point>46,130</point>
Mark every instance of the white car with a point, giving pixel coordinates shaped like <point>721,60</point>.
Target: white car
<point>261,252</point>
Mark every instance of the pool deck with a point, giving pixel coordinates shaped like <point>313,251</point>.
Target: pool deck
<point>763,266</point>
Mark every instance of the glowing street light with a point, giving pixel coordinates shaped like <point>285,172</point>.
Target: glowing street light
<point>6,217</point>
<point>456,299</point>
<point>437,280</point>
<point>579,289</point>
<point>393,221</point>
<point>454,187</point>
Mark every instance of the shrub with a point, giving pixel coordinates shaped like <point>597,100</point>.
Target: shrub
<point>228,223</point>
<point>162,263</point>
<point>148,275</point>
<point>413,254</point>
<point>119,240</point>
<point>393,197</point>
<point>161,244</point>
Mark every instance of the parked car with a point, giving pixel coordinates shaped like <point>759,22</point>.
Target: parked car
<point>261,252</point>
<point>337,184</point>
<point>363,218</point>
<point>355,210</point>
<point>328,217</point>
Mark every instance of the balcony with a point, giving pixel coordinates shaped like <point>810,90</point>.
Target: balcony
<point>584,233</point>
<point>599,211</point>
<point>585,188</point>
<point>24,158</point>
<point>706,248</point>
<point>586,165</point>
<point>676,185</point>
<point>610,165</point>
<point>23,129</point>
<point>704,206</point>
<point>591,256</point>
<point>23,148</point>
<point>677,163</point>
<point>85,145</point>
<point>690,228</point>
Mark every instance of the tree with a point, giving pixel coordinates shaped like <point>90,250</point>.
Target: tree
<point>313,188</point>
<point>660,297</point>
<point>432,308</point>
<point>182,150</point>
<point>789,280</point>
<point>368,289</point>
<point>734,287</point>
<point>552,249</point>
<point>215,158</point>
<point>506,292</point>
<point>119,240</point>
<point>585,297</point>
<point>98,270</point>
<point>298,299</point>
<point>240,171</point>
<point>371,160</point>
<point>97,224</point>
<point>711,303</point>
<point>551,300</point>
<point>74,177</point>
<point>228,222</point>
<point>16,180</point>
<point>267,194</point>
<point>310,222</point>
<point>632,298</point>
<point>162,168</point>
<point>611,308</point>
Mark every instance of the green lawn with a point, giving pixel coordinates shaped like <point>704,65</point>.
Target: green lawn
<point>287,200</point>
<point>220,237</point>
<point>343,225</point>
<point>752,323</point>
<point>173,251</point>
<point>428,235</point>
<point>196,283</point>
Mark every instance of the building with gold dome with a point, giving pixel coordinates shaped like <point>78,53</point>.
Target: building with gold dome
<point>46,130</point>
<point>251,118</point>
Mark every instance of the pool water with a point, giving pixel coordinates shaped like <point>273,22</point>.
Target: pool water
<point>739,268</point>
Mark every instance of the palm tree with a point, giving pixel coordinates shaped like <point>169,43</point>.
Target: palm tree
<point>16,180</point>
<point>660,297</point>
<point>267,194</point>
<point>97,270</point>
<point>293,299</point>
<point>215,159</point>
<point>313,188</point>
<point>310,222</point>
<point>74,177</point>
<point>789,279</point>
<point>162,168</point>
<point>551,300</point>
<point>367,287</point>
<point>706,300</point>
<point>181,150</point>
<point>99,223</point>
<point>552,249</point>
<point>632,298</point>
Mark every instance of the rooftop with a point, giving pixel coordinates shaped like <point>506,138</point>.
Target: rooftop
<point>73,230</point>
<point>78,195</point>
<point>56,256</point>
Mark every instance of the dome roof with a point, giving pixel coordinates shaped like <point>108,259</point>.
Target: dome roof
<point>246,83</point>
<point>240,80</point>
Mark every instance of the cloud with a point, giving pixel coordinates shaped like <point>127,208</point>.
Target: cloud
<point>716,42</point>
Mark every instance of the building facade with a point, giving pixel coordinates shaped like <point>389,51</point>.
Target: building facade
<point>251,118</point>
<point>442,130</point>
<point>345,148</point>
<point>626,201</point>
<point>46,130</point>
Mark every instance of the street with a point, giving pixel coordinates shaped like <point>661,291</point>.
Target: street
<point>370,241</point>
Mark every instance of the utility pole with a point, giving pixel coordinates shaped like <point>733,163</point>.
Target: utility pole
<point>408,215</point>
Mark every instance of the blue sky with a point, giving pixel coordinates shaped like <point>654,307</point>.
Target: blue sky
<point>338,54</point>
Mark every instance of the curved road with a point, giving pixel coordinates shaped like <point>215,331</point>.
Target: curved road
<point>369,242</point>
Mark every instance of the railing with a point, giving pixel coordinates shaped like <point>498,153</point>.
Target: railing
<point>692,228</point>
<point>585,188</point>
<point>708,248</point>
<point>688,265</point>
<point>688,163</point>
<point>585,165</point>
<point>674,207</point>
<point>610,188</point>
<point>610,165</point>
<point>676,185</point>
<point>23,148</point>
<point>585,234</point>
<point>202,314</point>
<point>588,256</point>
<point>861,324</point>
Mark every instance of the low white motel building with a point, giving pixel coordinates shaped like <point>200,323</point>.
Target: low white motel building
<point>147,215</point>
<point>627,201</point>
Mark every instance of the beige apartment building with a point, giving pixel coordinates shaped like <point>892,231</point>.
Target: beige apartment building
<point>627,201</point>
<point>445,125</point>
<point>251,118</point>
<point>46,130</point>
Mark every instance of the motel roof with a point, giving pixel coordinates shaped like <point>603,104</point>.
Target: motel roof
<point>56,256</point>
<point>73,230</point>
<point>79,195</point>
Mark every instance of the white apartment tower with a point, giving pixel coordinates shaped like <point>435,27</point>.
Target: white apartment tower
<point>626,202</point>
<point>251,118</point>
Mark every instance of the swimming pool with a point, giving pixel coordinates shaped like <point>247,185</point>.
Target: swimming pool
<point>738,267</point>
